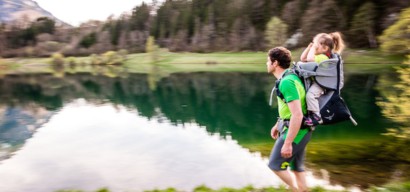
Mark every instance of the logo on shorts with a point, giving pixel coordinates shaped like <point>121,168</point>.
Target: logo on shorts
<point>330,117</point>
<point>284,165</point>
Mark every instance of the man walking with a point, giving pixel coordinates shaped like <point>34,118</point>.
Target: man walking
<point>289,149</point>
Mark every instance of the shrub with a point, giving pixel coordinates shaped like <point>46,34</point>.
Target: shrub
<point>71,61</point>
<point>57,59</point>
<point>112,58</point>
<point>408,60</point>
<point>123,53</point>
<point>395,39</point>
<point>89,40</point>
<point>95,59</point>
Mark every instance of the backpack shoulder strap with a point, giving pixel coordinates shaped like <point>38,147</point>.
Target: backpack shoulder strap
<point>338,73</point>
<point>277,83</point>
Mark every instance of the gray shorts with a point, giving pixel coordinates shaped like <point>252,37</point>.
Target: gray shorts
<point>296,162</point>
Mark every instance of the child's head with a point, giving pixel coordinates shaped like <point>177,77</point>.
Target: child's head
<point>328,43</point>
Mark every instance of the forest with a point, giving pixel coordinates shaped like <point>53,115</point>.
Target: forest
<point>215,26</point>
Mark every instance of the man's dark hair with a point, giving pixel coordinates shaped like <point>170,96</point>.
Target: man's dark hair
<point>282,55</point>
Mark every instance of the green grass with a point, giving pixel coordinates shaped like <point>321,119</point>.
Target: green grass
<point>356,60</point>
<point>168,62</point>
<point>391,187</point>
<point>204,188</point>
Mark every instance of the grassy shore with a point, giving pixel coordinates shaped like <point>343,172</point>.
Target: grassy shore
<point>168,62</point>
<point>391,187</point>
<point>248,61</point>
<point>204,188</point>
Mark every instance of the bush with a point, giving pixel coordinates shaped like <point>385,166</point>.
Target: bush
<point>408,60</point>
<point>395,39</point>
<point>95,59</point>
<point>57,59</point>
<point>71,61</point>
<point>112,58</point>
<point>123,53</point>
<point>89,40</point>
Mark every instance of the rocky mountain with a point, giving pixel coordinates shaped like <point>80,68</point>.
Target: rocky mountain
<point>11,10</point>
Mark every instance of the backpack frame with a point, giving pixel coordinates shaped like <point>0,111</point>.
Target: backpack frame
<point>329,75</point>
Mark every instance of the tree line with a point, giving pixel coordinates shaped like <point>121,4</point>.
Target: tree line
<point>208,26</point>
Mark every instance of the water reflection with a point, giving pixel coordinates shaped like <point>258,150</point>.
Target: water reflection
<point>233,106</point>
<point>396,106</point>
<point>86,147</point>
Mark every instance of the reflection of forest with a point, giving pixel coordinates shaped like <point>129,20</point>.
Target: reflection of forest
<point>234,104</point>
<point>224,103</point>
<point>395,104</point>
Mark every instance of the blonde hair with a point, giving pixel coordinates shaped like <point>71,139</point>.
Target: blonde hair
<point>333,40</point>
<point>338,41</point>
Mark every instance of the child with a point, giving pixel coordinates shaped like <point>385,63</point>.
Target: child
<point>320,49</point>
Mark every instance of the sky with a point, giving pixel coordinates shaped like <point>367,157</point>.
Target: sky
<point>75,12</point>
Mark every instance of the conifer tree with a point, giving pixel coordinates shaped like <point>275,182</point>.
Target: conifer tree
<point>321,17</point>
<point>396,38</point>
<point>276,32</point>
<point>362,28</point>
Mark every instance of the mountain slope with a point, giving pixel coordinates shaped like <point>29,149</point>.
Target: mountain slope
<point>11,10</point>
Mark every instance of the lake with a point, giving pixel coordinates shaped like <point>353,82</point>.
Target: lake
<point>135,132</point>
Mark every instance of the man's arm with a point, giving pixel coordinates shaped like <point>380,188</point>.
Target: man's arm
<point>295,108</point>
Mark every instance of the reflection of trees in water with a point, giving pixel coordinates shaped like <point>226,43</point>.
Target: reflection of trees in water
<point>228,103</point>
<point>112,71</point>
<point>395,104</point>
<point>355,163</point>
<point>233,103</point>
<point>221,102</point>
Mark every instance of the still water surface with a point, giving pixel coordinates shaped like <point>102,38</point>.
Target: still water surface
<point>126,133</point>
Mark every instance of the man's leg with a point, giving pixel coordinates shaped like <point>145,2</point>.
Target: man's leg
<point>286,177</point>
<point>301,180</point>
<point>298,165</point>
<point>279,165</point>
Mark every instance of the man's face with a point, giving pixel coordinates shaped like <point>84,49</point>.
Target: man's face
<point>269,65</point>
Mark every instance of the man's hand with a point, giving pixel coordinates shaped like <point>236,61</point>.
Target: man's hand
<point>286,151</point>
<point>294,127</point>
<point>274,133</point>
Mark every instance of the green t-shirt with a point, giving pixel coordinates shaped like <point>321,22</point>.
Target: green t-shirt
<point>321,57</point>
<point>292,89</point>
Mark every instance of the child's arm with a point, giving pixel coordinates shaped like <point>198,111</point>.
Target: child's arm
<point>312,53</point>
<point>303,57</point>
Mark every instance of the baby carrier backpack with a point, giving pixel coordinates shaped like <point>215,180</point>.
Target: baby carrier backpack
<point>329,75</point>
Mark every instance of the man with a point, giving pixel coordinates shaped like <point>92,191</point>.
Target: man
<point>289,149</point>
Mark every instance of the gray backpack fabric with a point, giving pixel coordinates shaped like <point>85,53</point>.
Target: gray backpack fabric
<point>328,74</point>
